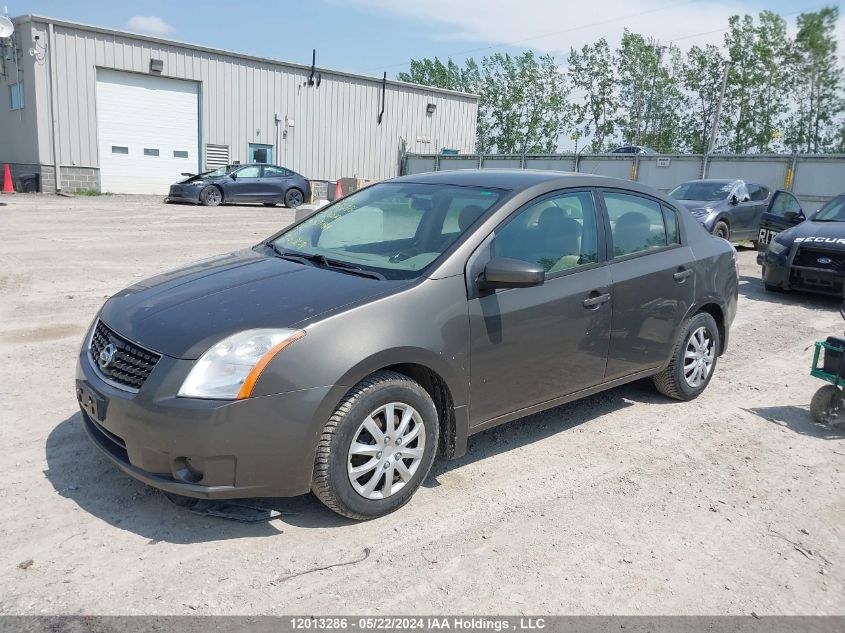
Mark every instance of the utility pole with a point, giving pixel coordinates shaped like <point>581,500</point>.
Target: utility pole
<point>714,129</point>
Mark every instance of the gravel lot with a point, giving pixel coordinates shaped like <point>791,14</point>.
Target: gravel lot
<point>622,503</point>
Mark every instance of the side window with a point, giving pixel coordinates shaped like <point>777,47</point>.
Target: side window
<point>254,171</point>
<point>558,233</point>
<point>758,193</point>
<point>275,172</point>
<point>636,224</point>
<point>463,211</point>
<point>784,202</point>
<point>670,218</point>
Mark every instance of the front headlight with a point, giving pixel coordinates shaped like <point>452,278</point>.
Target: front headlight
<point>230,369</point>
<point>777,248</point>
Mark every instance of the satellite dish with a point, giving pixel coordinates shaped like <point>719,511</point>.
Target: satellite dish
<point>6,26</point>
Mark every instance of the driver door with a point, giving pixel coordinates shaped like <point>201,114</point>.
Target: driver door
<point>531,345</point>
<point>244,185</point>
<point>774,219</point>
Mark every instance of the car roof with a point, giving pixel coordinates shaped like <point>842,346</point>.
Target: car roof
<point>514,179</point>
<point>715,181</point>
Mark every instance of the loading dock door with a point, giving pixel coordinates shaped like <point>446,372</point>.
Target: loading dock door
<point>148,131</point>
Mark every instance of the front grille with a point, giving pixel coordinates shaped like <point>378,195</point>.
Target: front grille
<point>130,365</point>
<point>830,260</point>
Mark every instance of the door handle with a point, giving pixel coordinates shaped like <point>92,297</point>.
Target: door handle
<point>682,274</point>
<point>595,300</point>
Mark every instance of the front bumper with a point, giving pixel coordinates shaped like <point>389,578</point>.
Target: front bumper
<point>182,193</point>
<point>261,446</point>
<point>778,271</point>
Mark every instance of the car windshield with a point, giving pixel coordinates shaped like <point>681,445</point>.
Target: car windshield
<point>394,229</point>
<point>220,171</point>
<point>698,190</point>
<point>833,211</point>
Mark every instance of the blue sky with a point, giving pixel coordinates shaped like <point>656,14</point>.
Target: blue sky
<point>369,36</point>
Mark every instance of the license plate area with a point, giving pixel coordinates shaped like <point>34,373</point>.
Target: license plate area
<point>91,402</point>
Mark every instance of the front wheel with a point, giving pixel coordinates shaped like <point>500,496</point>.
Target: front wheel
<point>693,359</point>
<point>377,447</point>
<point>826,404</point>
<point>293,198</point>
<point>211,196</point>
<point>722,230</point>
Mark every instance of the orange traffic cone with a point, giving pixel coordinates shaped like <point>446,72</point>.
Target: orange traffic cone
<point>338,190</point>
<point>7,180</point>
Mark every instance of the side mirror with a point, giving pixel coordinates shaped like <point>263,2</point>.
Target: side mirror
<point>734,199</point>
<point>233,176</point>
<point>504,272</point>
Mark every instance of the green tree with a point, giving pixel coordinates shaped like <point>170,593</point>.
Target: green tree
<point>818,83</point>
<point>591,74</point>
<point>737,110</point>
<point>649,92</point>
<point>701,75</point>
<point>523,98</point>
<point>772,50</point>
<point>433,72</point>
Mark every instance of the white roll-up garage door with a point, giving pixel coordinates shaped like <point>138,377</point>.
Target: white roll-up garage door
<point>148,130</point>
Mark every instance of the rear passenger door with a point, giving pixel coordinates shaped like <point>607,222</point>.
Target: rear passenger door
<point>653,281</point>
<point>274,182</point>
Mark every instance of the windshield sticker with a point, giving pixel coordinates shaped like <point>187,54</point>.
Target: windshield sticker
<point>825,240</point>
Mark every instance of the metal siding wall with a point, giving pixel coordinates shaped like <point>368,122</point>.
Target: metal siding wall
<point>336,131</point>
<point>767,171</point>
<point>680,169</point>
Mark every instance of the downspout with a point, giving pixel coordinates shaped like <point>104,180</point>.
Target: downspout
<point>54,117</point>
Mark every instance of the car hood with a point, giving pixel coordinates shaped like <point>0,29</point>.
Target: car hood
<point>181,313</point>
<point>823,234</point>
<point>699,204</point>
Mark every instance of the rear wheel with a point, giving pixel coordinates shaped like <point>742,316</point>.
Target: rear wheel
<point>376,448</point>
<point>722,230</point>
<point>693,359</point>
<point>826,404</point>
<point>293,198</point>
<point>211,196</point>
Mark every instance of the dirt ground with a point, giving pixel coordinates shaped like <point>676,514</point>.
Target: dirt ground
<point>622,503</point>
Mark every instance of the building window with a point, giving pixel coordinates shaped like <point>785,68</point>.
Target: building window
<point>118,149</point>
<point>150,152</point>
<point>216,156</point>
<point>180,153</point>
<point>16,96</point>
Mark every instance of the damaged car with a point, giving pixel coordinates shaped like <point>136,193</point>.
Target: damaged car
<point>267,184</point>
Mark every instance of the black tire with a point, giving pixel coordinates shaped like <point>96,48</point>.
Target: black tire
<point>293,198</point>
<point>756,244</point>
<point>269,204</point>
<point>826,404</point>
<point>671,381</point>
<point>211,196</point>
<point>771,287</point>
<point>330,481</point>
<point>721,229</point>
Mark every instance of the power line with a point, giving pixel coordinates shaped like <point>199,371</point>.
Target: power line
<point>553,33</point>
<point>783,15</point>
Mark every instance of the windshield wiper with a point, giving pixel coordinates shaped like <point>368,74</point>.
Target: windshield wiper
<point>325,262</point>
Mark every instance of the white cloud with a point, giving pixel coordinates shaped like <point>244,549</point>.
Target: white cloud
<point>149,25</point>
<point>555,26</point>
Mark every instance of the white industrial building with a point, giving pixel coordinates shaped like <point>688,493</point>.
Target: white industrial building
<point>95,108</point>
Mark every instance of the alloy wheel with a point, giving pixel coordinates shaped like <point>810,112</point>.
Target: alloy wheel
<point>386,451</point>
<point>698,357</point>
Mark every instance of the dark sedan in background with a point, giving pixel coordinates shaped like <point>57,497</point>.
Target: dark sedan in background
<point>805,254</point>
<point>268,184</point>
<point>731,209</point>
